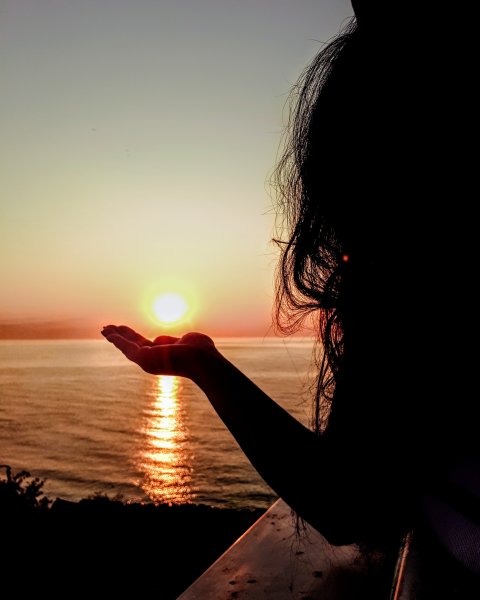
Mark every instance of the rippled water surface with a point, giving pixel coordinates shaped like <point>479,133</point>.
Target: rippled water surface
<point>79,415</point>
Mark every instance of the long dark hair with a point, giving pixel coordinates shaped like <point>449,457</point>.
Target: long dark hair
<point>314,258</point>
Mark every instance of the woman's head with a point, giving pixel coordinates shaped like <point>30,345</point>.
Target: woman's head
<point>371,150</point>
<point>328,194</point>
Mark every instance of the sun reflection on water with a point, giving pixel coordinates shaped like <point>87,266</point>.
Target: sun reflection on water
<point>164,461</point>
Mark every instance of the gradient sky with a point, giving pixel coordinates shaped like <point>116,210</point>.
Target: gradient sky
<point>137,138</point>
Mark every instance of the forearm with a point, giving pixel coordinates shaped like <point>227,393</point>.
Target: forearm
<point>285,453</point>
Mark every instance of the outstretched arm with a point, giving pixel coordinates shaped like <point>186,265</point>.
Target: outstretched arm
<point>285,453</point>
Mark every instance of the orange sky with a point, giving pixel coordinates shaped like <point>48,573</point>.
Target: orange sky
<point>137,139</point>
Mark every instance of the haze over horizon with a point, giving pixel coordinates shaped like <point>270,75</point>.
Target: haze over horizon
<point>137,140</point>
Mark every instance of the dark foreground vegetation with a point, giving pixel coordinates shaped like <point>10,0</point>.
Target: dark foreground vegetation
<point>103,547</point>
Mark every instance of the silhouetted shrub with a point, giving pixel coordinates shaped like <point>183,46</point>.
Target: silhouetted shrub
<point>21,491</point>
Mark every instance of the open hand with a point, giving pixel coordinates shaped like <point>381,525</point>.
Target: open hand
<point>165,355</point>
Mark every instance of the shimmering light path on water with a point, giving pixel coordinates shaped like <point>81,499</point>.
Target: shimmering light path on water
<point>165,460</point>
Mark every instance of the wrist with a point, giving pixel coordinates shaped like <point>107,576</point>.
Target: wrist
<point>206,363</point>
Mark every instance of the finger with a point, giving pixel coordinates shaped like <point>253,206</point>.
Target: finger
<point>165,339</point>
<point>131,335</point>
<point>126,332</point>
<point>130,349</point>
<point>109,329</point>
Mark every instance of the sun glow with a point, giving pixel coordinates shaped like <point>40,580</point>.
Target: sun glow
<point>170,308</point>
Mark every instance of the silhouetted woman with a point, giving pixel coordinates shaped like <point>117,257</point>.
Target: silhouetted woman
<point>380,248</point>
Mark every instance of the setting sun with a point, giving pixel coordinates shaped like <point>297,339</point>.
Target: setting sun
<point>169,308</point>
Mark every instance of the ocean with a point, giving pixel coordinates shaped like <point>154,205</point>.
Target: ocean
<point>77,414</point>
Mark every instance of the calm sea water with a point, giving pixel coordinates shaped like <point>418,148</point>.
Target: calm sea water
<point>79,415</point>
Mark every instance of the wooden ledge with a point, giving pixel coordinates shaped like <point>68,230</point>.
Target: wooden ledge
<point>272,561</point>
